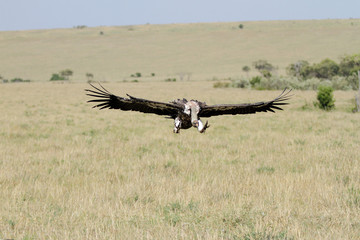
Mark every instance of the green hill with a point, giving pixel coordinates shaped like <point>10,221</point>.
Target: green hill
<point>206,50</point>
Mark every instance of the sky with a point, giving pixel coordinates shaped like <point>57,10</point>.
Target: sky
<point>49,14</point>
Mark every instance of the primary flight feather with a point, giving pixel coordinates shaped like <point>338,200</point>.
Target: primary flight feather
<point>185,113</point>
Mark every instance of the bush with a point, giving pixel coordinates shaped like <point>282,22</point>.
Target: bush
<point>62,75</point>
<point>56,77</point>
<point>138,74</point>
<point>246,69</point>
<point>264,67</point>
<point>349,65</point>
<point>327,68</point>
<point>298,69</point>
<point>241,83</point>
<point>353,81</point>
<point>170,80</point>
<point>342,83</point>
<point>325,98</point>
<point>14,80</point>
<point>272,84</point>
<point>66,74</point>
<point>255,81</point>
<point>308,84</point>
<point>278,83</point>
<point>221,85</point>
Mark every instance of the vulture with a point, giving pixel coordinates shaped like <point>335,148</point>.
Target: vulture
<point>186,114</point>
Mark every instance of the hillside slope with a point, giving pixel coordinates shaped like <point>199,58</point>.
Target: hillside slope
<point>205,50</point>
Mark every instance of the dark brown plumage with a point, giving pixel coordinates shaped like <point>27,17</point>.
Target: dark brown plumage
<point>185,113</point>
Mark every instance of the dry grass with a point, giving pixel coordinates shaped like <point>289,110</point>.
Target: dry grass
<point>207,50</point>
<point>72,172</point>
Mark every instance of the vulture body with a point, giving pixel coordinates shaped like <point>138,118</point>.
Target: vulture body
<point>186,114</point>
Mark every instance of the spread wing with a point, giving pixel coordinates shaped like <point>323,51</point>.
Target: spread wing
<point>246,108</point>
<point>105,99</point>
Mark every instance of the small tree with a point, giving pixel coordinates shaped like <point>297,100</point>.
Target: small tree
<point>89,76</point>
<point>241,26</point>
<point>327,68</point>
<point>325,98</point>
<point>264,67</point>
<point>66,73</point>
<point>246,69</point>
<point>298,69</point>
<point>349,65</point>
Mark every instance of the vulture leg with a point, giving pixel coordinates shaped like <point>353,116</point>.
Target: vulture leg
<point>202,128</point>
<point>177,125</point>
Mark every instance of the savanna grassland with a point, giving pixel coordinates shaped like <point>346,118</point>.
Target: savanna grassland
<point>72,172</point>
<point>205,50</point>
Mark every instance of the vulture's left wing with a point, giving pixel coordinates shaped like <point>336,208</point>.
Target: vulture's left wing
<point>105,99</point>
<point>245,108</point>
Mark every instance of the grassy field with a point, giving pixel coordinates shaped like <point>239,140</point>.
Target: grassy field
<point>72,172</point>
<point>206,50</point>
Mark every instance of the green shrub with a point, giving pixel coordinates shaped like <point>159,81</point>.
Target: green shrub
<point>281,82</point>
<point>170,80</point>
<point>56,77</point>
<point>246,68</point>
<point>298,69</point>
<point>342,83</point>
<point>272,84</point>
<point>264,67</point>
<point>14,80</point>
<point>308,84</point>
<point>138,74</point>
<point>325,98</point>
<point>241,83</point>
<point>353,81</point>
<point>327,68</point>
<point>221,85</point>
<point>349,65</point>
<point>62,75</point>
<point>255,81</point>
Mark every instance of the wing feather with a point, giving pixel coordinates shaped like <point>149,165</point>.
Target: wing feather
<point>246,108</point>
<point>105,99</point>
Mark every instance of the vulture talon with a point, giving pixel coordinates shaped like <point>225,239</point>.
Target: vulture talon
<point>207,125</point>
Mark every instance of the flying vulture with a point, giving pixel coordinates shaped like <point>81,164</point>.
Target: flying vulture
<point>185,113</point>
